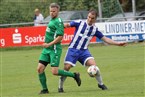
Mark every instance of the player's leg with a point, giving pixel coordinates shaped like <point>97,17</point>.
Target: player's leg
<point>86,59</point>
<point>67,67</point>
<point>41,74</point>
<point>70,61</point>
<point>98,76</point>
<point>64,73</point>
<point>55,59</point>
<point>42,77</point>
<point>90,62</point>
<point>59,72</point>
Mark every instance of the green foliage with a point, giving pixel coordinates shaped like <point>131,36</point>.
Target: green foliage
<point>71,5</point>
<point>110,7</point>
<point>19,11</point>
<point>140,5</point>
<point>90,4</point>
<point>78,4</point>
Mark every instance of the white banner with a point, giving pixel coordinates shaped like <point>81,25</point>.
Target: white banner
<point>123,31</point>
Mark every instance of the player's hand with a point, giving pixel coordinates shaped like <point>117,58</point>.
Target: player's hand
<point>45,45</point>
<point>122,44</point>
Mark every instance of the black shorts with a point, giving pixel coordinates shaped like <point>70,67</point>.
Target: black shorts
<point>43,62</point>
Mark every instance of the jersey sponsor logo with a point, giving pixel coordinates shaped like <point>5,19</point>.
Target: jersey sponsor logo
<point>17,37</point>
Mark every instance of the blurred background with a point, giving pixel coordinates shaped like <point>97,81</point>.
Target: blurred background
<point>22,11</point>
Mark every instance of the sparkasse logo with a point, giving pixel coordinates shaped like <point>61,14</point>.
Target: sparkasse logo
<point>17,37</point>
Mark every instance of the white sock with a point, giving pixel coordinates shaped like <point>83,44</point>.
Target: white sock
<point>61,81</point>
<point>99,78</point>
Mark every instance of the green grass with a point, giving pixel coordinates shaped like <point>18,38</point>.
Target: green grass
<point>122,69</point>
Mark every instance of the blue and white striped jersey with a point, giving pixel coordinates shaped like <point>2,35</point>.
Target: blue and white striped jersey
<point>83,34</point>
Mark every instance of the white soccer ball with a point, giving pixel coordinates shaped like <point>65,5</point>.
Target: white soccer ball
<point>92,71</point>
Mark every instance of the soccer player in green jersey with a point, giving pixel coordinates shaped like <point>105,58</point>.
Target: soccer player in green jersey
<point>52,50</point>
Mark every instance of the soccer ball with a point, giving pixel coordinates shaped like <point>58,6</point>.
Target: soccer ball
<point>92,70</point>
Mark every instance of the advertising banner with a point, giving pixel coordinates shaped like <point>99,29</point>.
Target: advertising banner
<point>30,36</point>
<point>23,36</point>
<point>128,31</point>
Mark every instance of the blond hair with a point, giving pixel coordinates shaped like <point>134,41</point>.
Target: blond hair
<point>54,5</point>
<point>36,10</point>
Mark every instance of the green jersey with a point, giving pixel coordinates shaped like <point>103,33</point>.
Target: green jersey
<point>55,28</point>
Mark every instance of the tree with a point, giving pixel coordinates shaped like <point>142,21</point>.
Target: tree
<point>127,5</point>
<point>20,11</point>
<point>23,11</point>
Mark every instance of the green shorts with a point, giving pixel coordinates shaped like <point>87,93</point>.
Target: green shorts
<point>51,56</point>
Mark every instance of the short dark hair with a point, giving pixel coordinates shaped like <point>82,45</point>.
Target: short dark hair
<point>94,12</point>
<point>54,5</point>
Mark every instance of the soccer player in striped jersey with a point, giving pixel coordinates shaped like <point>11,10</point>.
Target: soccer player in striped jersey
<point>78,48</point>
<point>52,50</point>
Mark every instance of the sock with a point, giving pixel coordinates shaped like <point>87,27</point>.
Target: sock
<point>61,81</point>
<point>99,78</point>
<point>42,79</point>
<point>65,73</point>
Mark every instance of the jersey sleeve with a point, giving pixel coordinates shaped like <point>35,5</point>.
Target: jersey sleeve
<point>59,28</point>
<point>74,23</point>
<point>99,34</point>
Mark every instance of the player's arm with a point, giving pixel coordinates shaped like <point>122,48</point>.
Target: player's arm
<point>56,40</point>
<point>59,33</point>
<point>67,25</point>
<point>112,42</point>
<point>71,24</point>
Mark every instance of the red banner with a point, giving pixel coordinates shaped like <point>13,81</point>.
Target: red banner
<point>30,36</point>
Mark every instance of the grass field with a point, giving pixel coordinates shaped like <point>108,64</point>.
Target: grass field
<point>122,69</point>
